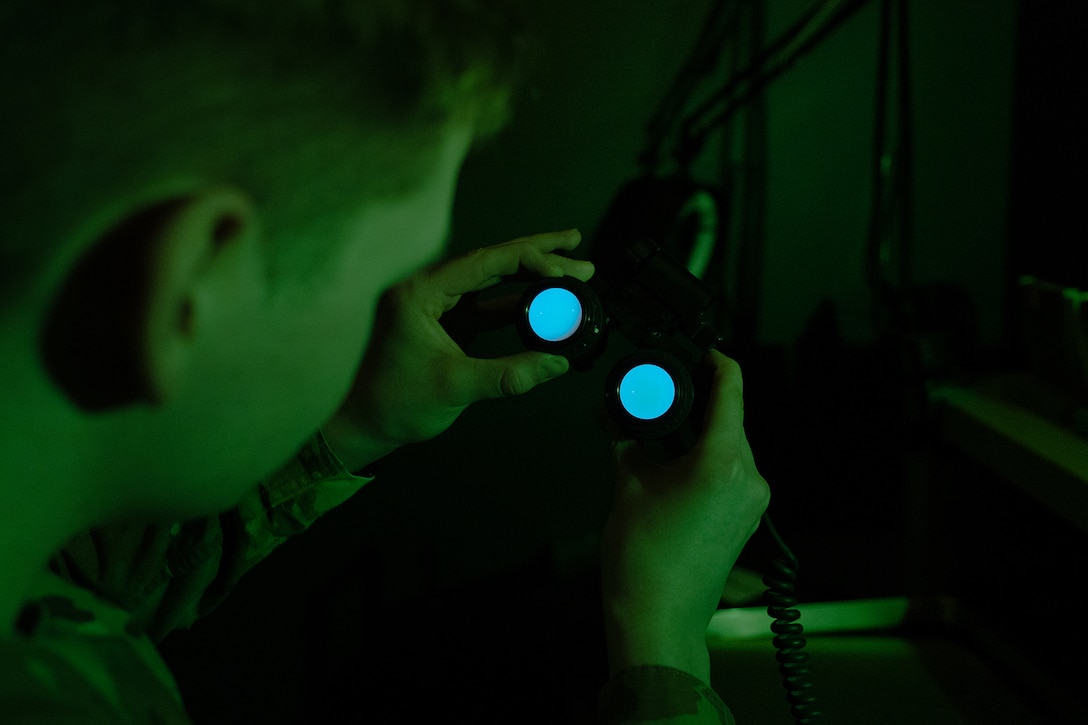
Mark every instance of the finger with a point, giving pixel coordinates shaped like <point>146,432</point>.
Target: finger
<point>496,312</point>
<point>473,316</point>
<point>554,245</point>
<point>612,432</point>
<point>566,240</point>
<point>724,427</point>
<point>505,261</point>
<point>579,268</point>
<point>488,266</point>
<point>633,467</point>
<point>509,376</point>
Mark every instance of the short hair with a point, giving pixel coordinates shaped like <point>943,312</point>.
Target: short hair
<point>309,105</point>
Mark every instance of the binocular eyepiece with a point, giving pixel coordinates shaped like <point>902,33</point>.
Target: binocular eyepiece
<point>660,390</point>
<point>562,316</point>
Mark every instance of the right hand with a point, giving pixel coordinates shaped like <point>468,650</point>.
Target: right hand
<point>415,380</point>
<point>675,532</point>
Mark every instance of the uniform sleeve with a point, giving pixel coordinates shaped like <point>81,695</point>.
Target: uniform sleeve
<point>659,695</point>
<point>170,575</point>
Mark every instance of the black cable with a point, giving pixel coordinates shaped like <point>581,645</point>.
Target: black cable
<point>789,640</point>
<point>888,260</point>
<point>750,245</point>
<point>874,269</point>
<point>696,129</point>
<point>906,149</point>
<point>717,27</point>
<point>757,63</point>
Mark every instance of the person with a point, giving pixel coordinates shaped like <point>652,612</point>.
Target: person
<point>221,299</point>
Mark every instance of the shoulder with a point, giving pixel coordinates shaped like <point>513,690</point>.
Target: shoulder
<point>73,659</point>
<point>36,688</point>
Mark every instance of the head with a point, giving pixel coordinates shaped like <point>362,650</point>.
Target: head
<point>201,205</point>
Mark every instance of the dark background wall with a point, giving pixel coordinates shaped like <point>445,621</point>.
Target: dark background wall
<point>491,529</point>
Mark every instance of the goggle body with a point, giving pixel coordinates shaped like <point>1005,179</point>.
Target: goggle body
<point>653,301</point>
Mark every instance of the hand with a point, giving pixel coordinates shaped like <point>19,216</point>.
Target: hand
<point>674,534</point>
<point>414,380</point>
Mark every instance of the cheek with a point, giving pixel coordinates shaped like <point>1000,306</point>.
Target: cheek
<point>345,332</point>
<point>352,335</point>
<point>317,352</point>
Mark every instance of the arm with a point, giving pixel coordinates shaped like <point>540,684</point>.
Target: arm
<point>674,534</point>
<point>416,379</point>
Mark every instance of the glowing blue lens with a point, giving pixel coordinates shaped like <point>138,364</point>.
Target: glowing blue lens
<point>647,391</point>
<point>555,314</point>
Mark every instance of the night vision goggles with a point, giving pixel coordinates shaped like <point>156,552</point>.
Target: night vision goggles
<point>641,291</point>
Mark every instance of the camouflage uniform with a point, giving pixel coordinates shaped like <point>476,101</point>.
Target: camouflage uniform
<point>84,651</point>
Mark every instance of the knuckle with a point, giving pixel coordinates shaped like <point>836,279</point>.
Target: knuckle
<point>733,472</point>
<point>515,381</point>
<point>752,489</point>
<point>761,492</point>
<point>502,261</point>
<point>730,384</point>
<point>728,370</point>
<point>527,251</point>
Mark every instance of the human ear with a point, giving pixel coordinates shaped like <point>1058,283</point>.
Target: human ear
<point>120,326</point>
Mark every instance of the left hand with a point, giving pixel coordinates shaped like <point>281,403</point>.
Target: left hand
<point>675,532</point>
<point>414,380</point>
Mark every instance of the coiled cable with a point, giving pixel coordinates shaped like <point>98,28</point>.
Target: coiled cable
<point>789,640</point>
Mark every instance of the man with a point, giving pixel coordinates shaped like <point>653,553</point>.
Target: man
<point>203,204</point>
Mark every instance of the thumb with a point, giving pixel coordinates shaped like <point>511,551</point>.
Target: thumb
<point>515,374</point>
<point>628,456</point>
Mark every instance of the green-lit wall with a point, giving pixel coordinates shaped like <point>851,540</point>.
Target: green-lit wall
<point>820,128</point>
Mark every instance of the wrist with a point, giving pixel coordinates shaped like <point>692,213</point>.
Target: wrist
<point>356,450</point>
<point>634,643</point>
